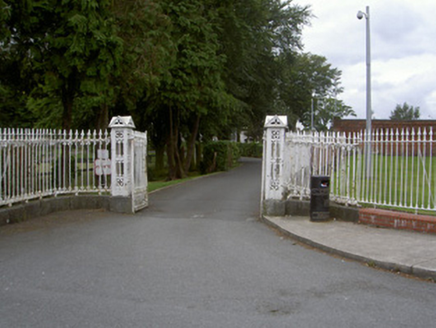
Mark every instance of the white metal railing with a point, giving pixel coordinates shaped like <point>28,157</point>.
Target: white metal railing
<point>39,163</point>
<point>323,153</point>
<point>401,170</point>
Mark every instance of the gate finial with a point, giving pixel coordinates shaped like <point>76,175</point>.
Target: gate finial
<point>122,122</point>
<point>276,121</point>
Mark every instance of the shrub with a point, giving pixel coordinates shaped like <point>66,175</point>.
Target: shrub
<point>252,149</point>
<point>219,156</point>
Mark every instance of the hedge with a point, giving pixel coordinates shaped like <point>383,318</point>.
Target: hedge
<point>219,156</point>
<point>252,149</point>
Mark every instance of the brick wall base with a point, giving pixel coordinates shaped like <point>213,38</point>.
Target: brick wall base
<point>397,220</point>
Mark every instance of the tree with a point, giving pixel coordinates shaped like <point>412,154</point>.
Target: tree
<point>184,69</point>
<point>76,60</point>
<point>305,77</point>
<point>68,48</point>
<point>14,90</point>
<point>405,112</point>
<point>223,75</point>
<point>193,86</point>
<point>254,34</point>
<point>148,52</point>
<point>324,112</point>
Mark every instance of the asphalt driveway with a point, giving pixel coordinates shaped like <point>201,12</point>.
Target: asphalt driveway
<point>197,257</point>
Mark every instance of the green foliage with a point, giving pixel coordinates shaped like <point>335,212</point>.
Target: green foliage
<point>13,111</point>
<point>193,82</point>
<point>324,112</point>
<point>405,112</point>
<point>305,77</point>
<point>255,34</point>
<point>97,53</point>
<point>186,70</point>
<point>193,91</point>
<point>219,156</point>
<point>68,49</point>
<point>235,153</point>
<point>155,174</point>
<point>14,90</point>
<point>251,149</point>
<point>148,51</point>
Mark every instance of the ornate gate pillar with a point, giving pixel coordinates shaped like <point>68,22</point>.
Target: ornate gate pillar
<point>273,161</point>
<point>121,156</point>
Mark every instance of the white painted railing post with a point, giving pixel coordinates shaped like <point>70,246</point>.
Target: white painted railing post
<point>121,155</point>
<point>273,159</point>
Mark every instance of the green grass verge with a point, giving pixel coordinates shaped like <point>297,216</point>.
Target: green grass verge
<point>156,185</point>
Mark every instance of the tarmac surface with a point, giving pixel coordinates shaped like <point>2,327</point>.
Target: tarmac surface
<point>409,252</point>
<point>199,256</point>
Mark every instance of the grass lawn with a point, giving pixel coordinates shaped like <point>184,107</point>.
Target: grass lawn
<point>155,185</point>
<point>404,181</point>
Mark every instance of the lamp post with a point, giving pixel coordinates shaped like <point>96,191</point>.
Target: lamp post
<point>360,15</point>
<point>311,113</point>
<point>313,109</point>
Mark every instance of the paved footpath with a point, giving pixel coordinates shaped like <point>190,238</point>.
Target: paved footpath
<point>397,250</point>
<point>197,257</point>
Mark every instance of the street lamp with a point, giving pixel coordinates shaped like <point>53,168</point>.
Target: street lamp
<point>311,112</point>
<point>360,15</point>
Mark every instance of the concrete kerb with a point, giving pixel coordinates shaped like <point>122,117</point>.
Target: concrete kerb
<point>40,207</point>
<point>415,270</point>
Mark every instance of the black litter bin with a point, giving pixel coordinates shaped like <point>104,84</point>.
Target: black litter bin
<point>319,198</point>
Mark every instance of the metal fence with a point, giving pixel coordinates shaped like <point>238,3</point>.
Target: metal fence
<point>39,163</point>
<point>400,172</point>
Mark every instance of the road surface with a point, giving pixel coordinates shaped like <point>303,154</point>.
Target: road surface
<point>197,257</point>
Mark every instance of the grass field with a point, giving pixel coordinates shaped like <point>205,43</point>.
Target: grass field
<point>400,181</point>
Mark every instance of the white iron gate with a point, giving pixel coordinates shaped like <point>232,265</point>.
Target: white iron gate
<point>139,170</point>
<point>129,169</point>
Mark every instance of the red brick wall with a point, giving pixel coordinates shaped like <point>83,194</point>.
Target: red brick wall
<point>397,220</point>
<point>389,126</point>
<point>359,125</point>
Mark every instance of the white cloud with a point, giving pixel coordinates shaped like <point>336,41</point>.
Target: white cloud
<point>403,50</point>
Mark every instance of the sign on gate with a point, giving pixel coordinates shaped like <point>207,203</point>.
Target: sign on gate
<point>102,165</point>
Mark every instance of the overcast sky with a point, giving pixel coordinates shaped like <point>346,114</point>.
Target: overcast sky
<point>403,47</point>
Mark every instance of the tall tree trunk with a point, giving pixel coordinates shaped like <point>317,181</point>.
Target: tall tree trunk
<point>198,155</point>
<point>103,118</point>
<point>171,165</point>
<point>67,114</point>
<point>170,150</point>
<point>191,144</point>
<point>174,162</point>
<point>160,151</point>
<point>68,94</point>
<point>178,154</point>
